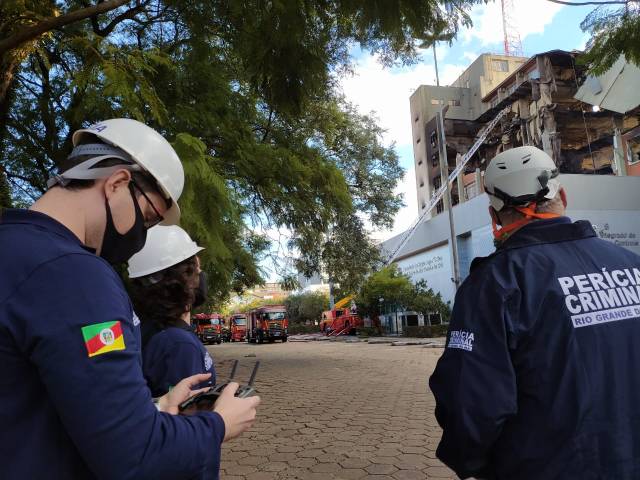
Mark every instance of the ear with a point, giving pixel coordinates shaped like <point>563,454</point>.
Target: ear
<point>116,181</point>
<point>494,216</point>
<point>563,197</point>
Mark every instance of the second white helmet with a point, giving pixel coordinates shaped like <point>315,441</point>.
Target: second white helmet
<point>519,176</point>
<point>166,246</point>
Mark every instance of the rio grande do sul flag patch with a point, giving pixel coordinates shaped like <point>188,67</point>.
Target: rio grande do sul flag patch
<point>103,337</point>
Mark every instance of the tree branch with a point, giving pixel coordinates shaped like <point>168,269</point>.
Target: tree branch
<point>26,34</point>
<point>128,15</point>
<point>575,4</point>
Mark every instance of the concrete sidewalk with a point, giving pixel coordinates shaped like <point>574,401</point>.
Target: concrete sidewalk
<point>436,342</point>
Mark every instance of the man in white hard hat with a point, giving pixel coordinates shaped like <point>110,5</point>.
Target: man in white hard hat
<point>74,403</point>
<point>539,379</point>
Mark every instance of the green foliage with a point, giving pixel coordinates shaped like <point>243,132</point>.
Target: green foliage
<point>424,300</point>
<point>307,306</point>
<point>300,328</point>
<point>247,93</point>
<point>368,332</point>
<point>389,284</point>
<point>614,32</point>
<point>395,288</point>
<point>253,304</point>
<point>426,331</point>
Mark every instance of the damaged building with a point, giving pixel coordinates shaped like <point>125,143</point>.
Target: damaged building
<point>553,105</point>
<point>589,125</point>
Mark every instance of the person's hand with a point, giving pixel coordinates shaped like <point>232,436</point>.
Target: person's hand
<point>182,391</point>
<point>238,413</point>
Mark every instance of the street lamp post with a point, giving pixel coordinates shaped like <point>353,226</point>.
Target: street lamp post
<point>380,302</point>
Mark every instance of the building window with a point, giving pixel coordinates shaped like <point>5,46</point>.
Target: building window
<point>419,162</point>
<point>434,319</point>
<point>435,161</point>
<point>418,141</point>
<point>440,207</point>
<point>433,139</point>
<point>466,84</point>
<point>424,205</point>
<point>500,65</point>
<point>437,182</point>
<point>470,191</point>
<point>417,118</point>
<point>633,150</point>
<point>454,103</point>
<point>435,101</point>
<point>421,183</point>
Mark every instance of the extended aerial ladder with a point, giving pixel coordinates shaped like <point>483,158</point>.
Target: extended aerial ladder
<point>439,193</point>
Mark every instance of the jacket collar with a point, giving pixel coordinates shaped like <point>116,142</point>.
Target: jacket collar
<point>549,231</point>
<point>29,217</point>
<point>541,232</point>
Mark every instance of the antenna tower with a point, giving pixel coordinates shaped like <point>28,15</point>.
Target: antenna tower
<point>512,42</point>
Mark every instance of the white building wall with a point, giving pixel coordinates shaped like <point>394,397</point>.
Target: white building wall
<point>610,203</point>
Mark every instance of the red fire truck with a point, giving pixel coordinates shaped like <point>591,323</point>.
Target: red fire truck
<point>238,325</point>
<point>209,327</point>
<point>342,320</point>
<point>268,323</point>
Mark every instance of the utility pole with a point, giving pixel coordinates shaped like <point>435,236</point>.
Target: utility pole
<point>435,61</point>
<point>444,178</point>
<point>332,301</point>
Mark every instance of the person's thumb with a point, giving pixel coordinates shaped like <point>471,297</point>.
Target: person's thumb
<point>194,380</point>
<point>196,392</point>
<point>230,390</point>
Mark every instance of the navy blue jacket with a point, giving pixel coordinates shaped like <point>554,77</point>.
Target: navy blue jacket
<point>540,377</point>
<point>172,354</point>
<point>65,414</point>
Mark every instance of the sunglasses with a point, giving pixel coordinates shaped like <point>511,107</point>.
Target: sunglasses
<point>159,218</point>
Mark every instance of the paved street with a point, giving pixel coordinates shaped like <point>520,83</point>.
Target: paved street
<point>335,410</point>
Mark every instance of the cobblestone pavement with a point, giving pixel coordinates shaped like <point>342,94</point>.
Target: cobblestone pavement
<point>335,410</point>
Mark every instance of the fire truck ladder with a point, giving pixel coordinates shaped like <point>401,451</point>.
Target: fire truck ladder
<point>337,333</point>
<point>438,194</point>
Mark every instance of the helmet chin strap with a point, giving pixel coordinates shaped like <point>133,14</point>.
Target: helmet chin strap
<point>530,214</point>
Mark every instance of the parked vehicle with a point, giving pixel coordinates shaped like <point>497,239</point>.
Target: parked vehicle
<point>343,319</point>
<point>268,323</point>
<point>238,327</point>
<point>208,327</point>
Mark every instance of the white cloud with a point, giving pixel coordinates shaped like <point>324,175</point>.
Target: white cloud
<point>386,92</point>
<point>528,17</point>
<point>470,56</point>
<point>407,214</point>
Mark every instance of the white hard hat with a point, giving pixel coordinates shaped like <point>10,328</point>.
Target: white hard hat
<point>166,246</point>
<point>148,149</point>
<point>520,176</point>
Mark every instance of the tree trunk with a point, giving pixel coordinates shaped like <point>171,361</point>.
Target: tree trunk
<point>8,64</point>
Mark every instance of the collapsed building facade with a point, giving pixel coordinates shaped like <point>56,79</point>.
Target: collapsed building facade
<point>589,125</point>
<point>541,93</point>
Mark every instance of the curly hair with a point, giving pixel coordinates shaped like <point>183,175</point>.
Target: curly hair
<point>163,297</point>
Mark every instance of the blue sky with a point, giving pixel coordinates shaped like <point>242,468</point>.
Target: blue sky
<point>385,91</point>
<point>542,25</point>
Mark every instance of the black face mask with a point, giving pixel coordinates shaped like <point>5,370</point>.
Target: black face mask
<point>201,291</point>
<point>118,247</point>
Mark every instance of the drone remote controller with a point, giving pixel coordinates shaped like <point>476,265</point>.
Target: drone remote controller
<point>206,400</point>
